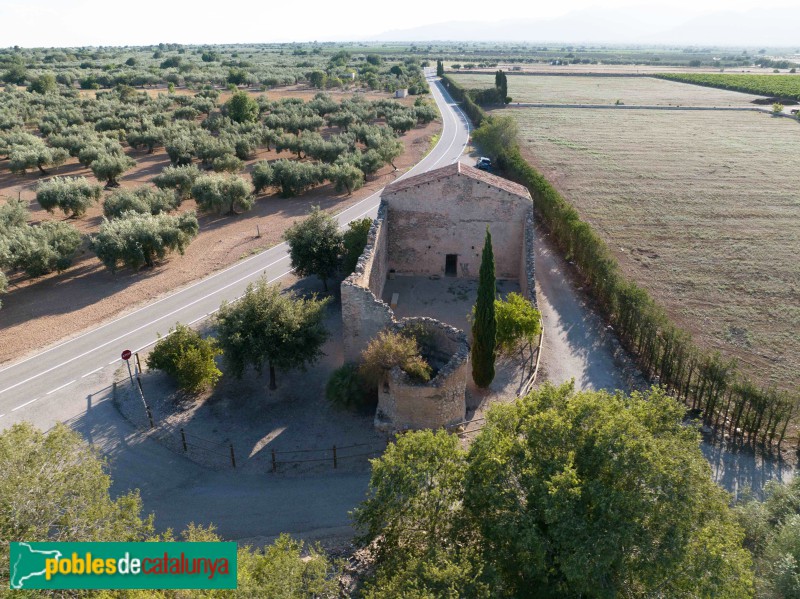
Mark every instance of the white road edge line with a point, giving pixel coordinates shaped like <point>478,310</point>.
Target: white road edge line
<point>98,369</point>
<point>61,387</point>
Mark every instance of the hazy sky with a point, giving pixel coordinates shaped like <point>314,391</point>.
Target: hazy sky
<point>118,22</point>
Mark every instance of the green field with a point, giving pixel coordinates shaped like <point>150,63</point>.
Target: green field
<point>700,208</point>
<point>779,86</point>
<point>561,89</point>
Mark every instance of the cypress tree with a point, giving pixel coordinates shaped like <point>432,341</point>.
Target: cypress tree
<point>439,68</point>
<point>484,327</point>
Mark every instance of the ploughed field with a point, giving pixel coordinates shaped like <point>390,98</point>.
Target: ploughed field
<point>578,89</point>
<point>701,208</point>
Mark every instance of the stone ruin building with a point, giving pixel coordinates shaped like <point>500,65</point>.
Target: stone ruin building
<point>433,225</point>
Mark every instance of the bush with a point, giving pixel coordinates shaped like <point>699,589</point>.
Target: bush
<point>390,349</point>
<point>185,355</point>
<point>517,322</point>
<point>347,389</point>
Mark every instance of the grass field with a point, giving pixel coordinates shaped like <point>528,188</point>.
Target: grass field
<point>701,209</point>
<point>607,90</point>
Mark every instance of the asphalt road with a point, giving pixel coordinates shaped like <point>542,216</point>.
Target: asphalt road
<point>41,388</point>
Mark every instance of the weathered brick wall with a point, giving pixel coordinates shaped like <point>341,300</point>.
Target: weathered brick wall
<point>449,216</point>
<point>404,404</point>
<point>364,315</point>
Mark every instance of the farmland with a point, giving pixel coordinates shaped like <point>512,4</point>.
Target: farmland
<point>557,89</point>
<point>56,286</point>
<point>779,86</point>
<point>699,208</point>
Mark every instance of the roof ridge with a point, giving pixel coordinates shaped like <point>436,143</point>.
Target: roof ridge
<point>459,168</point>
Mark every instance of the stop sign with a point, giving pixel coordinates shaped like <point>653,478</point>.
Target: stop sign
<point>126,354</point>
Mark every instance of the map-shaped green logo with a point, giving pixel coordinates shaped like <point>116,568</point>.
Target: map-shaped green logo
<point>27,563</point>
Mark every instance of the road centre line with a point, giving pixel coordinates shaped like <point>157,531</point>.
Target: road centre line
<point>98,369</point>
<point>61,387</point>
<point>27,403</point>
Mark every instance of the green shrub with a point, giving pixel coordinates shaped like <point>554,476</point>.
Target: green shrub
<point>185,355</point>
<point>347,389</point>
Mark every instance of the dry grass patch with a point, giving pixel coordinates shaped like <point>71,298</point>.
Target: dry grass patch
<point>701,209</point>
<point>607,90</point>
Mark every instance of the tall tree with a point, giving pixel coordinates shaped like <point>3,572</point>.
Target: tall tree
<point>268,327</point>
<point>439,68</point>
<point>315,244</point>
<point>484,327</point>
<point>501,83</point>
<point>562,494</point>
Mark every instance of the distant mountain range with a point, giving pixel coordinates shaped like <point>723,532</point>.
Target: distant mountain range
<point>764,27</point>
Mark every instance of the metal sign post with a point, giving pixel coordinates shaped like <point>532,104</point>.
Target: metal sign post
<point>126,355</point>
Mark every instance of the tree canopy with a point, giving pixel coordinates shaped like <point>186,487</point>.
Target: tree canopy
<point>562,494</point>
<point>226,194</point>
<point>72,195</point>
<point>266,327</point>
<point>188,357</point>
<point>314,245</point>
<point>136,240</point>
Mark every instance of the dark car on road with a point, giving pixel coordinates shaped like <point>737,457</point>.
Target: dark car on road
<point>484,164</point>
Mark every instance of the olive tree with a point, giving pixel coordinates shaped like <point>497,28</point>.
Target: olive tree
<point>266,327</point>
<point>109,167</point>
<point>72,195</point>
<point>179,178</point>
<point>222,193</point>
<point>295,177</point>
<point>262,176</point>
<point>40,249</point>
<point>136,240</point>
<point>314,245</point>
<point>25,158</point>
<point>144,200</point>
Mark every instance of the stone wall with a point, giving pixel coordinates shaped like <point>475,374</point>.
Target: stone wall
<point>364,314</point>
<point>405,404</point>
<point>449,215</point>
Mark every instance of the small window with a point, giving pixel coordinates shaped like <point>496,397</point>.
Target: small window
<point>451,265</point>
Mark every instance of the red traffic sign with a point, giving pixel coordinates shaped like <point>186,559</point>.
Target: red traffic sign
<point>126,354</point>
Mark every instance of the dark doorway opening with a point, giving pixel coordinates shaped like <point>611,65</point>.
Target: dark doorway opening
<point>451,265</point>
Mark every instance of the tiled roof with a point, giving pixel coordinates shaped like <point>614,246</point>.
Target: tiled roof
<point>459,168</point>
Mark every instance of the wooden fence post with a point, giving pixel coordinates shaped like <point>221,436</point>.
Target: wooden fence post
<point>233,457</point>
<point>183,439</point>
<point>274,462</point>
